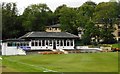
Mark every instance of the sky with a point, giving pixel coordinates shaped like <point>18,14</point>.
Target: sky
<point>52,4</point>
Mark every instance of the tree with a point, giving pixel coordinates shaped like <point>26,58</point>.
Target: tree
<point>105,13</point>
<point>87,9</point>
<point>36,17</point>
<point>57,13</point>
<point>10,26</point>
<point>91,34</point>
<point>68,20</point>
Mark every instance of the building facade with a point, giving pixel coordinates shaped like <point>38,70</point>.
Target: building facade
<point>117,32</point>
<point>39,41</point>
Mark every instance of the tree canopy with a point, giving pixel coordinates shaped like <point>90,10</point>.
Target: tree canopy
<point>36,17</point>
<point>96,20</point>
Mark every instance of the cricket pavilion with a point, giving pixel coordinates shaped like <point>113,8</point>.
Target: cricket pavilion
<point>38,41</point>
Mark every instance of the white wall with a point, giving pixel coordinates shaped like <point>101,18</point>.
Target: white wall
<point>11,50</point>
<point>65,47</point>
<point>81,47</point>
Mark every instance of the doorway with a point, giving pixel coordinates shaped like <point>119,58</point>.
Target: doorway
<point>54,44</point>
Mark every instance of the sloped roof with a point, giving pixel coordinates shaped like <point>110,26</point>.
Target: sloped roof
<point>48,35</point>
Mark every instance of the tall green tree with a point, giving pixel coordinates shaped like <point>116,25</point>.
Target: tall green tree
<point>69,20</point>
<point>57,13</point>
<point>105,14</point>
<point>36,17</point>
<point>10,25</point>
<point>88,9</point>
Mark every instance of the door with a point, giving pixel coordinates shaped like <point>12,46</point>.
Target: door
<point>54,44</point>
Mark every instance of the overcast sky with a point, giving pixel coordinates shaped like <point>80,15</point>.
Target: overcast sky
<point>52,4</point>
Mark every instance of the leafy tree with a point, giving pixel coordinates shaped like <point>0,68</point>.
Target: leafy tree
<point>36,16</point>
<point>87,9</point>
<point>68,20</point>
<point>10,26</point>
<point>105,13</point>
<point>57,13</point>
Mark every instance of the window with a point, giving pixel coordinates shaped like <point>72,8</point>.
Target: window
<point>67,43</point>
<point>50,42</point>
<point>21,44</point>
<point>13,44</point>
<point>39,43</point>
<point>9,44</point>
<point>27,44</point>
<point>36,43</point>
<point>43,42</point>
<point>64,42</point>
<point>61,43</point>
<point>71,43</point>
<point>24,44</point>
<point>17,44</point>
<point>32,43</point>
<point>50,28</point>
<point>119,39</point>
<point>55,28</point>
<point>118,33</point>
<point>57,42</point>
<point>46,42</point>
<point>119,26</point>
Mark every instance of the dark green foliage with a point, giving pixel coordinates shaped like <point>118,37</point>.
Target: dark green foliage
<point>68,20</point>
<point>11,23</point>
<point>36,17</point>
<point>88,17</point>
<point>106,14</point>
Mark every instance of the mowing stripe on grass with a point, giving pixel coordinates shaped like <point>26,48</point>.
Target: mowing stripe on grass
<point>38,67</point>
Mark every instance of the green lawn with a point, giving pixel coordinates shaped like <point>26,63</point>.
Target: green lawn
<point>116,45</point>
<point>83,62</point>
<point>0,65</point>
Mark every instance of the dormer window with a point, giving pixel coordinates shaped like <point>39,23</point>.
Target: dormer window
<point>119,26</point>
<point>118,33</point>
<point>50,28</point>
<point>55,28</point>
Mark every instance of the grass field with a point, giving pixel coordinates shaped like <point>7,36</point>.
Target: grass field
<point>116,45</point>
<point>83,62</point>
<point>0,65</point>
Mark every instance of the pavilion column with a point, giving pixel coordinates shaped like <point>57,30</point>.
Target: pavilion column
<point>45,43</point>
<point>52,43</point>
<point>56,43</point>
<point>41,42</point>
<point>69,42</point>
<point>48,42</point>
<point>34,42</point>
<point>38,42</point>
<point>66,42</point>
<point>73,42</point>
<point>59,42</point>
<point>30,43</point>
<point>63,42</point>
